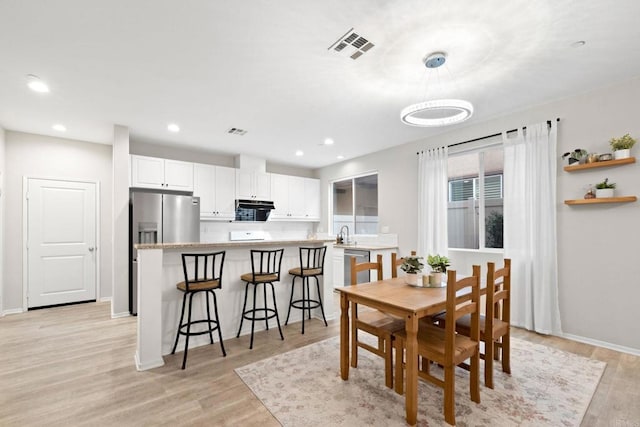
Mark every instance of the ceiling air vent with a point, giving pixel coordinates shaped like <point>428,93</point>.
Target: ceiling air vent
<point>236,131</point>
<point>351,44</point>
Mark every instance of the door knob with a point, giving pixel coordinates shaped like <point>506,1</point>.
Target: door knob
<point>91,248</point>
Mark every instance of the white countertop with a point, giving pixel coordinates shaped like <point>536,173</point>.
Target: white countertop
<point>364,246</point>
<point>239,244</point>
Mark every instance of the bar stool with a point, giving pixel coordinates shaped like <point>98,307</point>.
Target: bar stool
<point>202,273</point>
<point>311,265</point>
<point>265,268</point>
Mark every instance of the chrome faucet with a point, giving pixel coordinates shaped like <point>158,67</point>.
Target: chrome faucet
<point>342,235</point>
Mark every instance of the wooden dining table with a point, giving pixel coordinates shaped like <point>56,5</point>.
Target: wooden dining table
<point>395,297</point>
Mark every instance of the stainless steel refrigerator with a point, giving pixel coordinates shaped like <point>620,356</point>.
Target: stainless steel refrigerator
<point>157,217</point>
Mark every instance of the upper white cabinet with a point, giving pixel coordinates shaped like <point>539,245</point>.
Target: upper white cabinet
<point>253,185</point>
<point>152,172</point>
<point>295,198</point>
<point>215,185</point>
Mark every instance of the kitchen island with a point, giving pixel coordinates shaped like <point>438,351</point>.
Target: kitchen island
<point>159,302</point>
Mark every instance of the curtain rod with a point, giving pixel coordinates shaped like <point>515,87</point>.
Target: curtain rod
<point>491,136</point>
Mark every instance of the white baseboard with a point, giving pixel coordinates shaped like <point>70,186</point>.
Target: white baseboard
<point>13,311</point>
<point>615,347</point>
<point>149,365</point>
<point>105,299</point>
<point>118,315</point>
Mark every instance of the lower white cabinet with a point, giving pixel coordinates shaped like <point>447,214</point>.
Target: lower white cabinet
<point>338,267</point>
<point>215,185</point>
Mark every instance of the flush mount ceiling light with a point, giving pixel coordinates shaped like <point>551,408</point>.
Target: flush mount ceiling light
<point>328,141</point>
<point>60,128</point>
<point>436,112</point>
<point>172,127</point>
<point>36,84</point>
<point>299,153</point>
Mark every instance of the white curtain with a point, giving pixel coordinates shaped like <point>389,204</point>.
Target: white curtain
<point>432,202</point>
<point>530,226</point>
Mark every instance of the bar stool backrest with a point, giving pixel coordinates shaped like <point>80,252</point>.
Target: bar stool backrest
<point>266,263</point>
<point>202,269</point>
<point>312,260</point>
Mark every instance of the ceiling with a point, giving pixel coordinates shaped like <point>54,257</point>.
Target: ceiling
<point>266,67</point>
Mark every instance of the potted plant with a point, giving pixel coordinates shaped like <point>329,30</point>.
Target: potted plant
<point>605,189</point>
<point>578,155</point>
<point>412,266</point>
<point>622,146</point>
<point>438,264</point>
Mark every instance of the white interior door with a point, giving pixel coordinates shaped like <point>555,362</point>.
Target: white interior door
<point>61,242</point>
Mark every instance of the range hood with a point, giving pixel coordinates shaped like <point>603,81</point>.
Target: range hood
<point>253,210</point>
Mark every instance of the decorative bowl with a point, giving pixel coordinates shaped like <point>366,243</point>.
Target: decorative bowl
<point>604,157</point>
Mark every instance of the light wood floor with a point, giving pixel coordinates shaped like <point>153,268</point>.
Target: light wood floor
<point>74,366</point>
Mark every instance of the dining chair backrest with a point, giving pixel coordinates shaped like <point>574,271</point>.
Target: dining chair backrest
<point>266,263</point>
<point>356,268</point>
<point>397,262</point>
<point>463,298</point>
<point>498,294</point>
<point>312,260</point>
<point>202,269</point>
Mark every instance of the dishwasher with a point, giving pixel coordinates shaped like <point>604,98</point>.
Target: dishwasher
<point>361,256</point>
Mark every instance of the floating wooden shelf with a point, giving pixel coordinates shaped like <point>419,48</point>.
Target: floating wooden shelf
<point>623,199</point>
<point>603,164</point>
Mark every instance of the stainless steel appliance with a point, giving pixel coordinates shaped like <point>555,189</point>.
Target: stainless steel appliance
<point>253,210</point>
<point>157,217</point>
<point>361,256</point>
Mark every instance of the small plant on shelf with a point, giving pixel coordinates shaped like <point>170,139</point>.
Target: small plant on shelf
<point>605,184</point>
<point>625,142</point>
<point>575,156</point>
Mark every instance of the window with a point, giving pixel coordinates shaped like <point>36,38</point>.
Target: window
<point>355,204</point>
<point>476,190</point>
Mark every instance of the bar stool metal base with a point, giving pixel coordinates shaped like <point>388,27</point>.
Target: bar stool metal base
<point>259,313</point>
<point>306,302</point>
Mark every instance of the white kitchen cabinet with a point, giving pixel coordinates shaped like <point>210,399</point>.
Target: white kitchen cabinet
<point>287,193</point>
<point>215,185</point>
<point>295,198</point>
<point>253,185</point>
<point>312,199</point>
<point>164,174</point>
<point>338,267</point>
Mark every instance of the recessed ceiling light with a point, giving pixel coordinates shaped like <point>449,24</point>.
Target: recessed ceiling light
<point>60,128</point>
<point>340,157</point>
<point>173,127</point>
<point>328,141</point>
<point>579,43</point>
<point>36,85</point>
<point>299,153</point>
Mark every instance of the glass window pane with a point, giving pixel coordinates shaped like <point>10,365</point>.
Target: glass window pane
<point>342,205</point>
<point>493,196</point>
<point>366,204</point>
<point>463,205</point>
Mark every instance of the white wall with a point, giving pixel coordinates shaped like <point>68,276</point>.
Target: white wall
<point>28,155</point>
<point>2,197</point>
<point>598,246</point>
<point>120,237</point>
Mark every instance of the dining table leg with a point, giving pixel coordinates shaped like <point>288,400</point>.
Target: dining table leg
<point>411,369</point>
<point>344,336</point>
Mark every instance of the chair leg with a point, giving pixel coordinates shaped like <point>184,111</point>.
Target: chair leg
<point>398,343</point>
<point>449,394</point>
<point>244,307</point>
<point>506,353</point>
<point>253,316</point>
<point>215,310</point>
<point>489,349</point>
<point>206,297</point>
<point>388,362</point>
<point>175,344</point>
<point>275,307</point>
<point>293,285</point>
<point>320,300</point>
<point>304,300</point>
<point>308,299</point>
<point>266,312</point>
<point>186,341</point>
<point>474,377</point>
<point>354,335</point>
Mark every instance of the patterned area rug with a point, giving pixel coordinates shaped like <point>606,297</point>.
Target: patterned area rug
<point>547,387</point>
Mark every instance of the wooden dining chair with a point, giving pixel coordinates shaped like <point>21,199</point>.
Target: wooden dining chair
<point>444,346</point>
<point>397,262</point>
<point>495,325</point>
<point>373,322</point>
